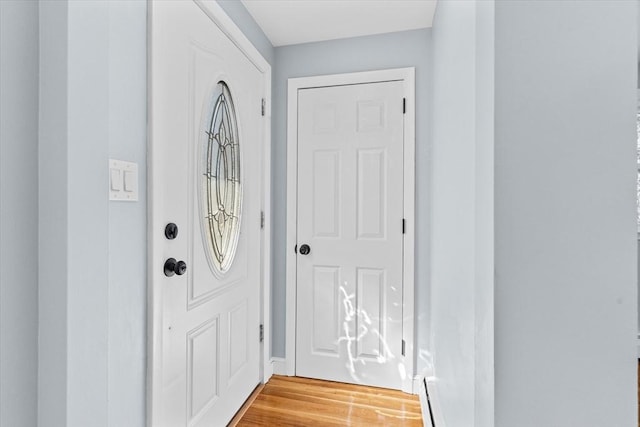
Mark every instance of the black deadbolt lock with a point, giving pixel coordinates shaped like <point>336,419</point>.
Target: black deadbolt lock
<point>171,231</point>
<point>305,249</point>
<point>171,267</point>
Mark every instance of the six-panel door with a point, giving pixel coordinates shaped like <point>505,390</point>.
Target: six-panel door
<point>350,207</point>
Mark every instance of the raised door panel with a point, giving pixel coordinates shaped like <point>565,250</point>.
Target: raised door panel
<point>372,193</point>
<point>326,194</point>
<point>202,367</point>
<point>370,320</point>
<point>326,312</point>
<point>238,338</point>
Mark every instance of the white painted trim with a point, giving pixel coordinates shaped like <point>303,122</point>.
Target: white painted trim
<point>279,366</point>
<point>408,76</point>
<point>154,317</point>
<point>266,232</point>
<point>421,391</point>
<point>638,343</point>
<point>154,351</point>
<point>268,372</point>
<point>417,384</point>
<point>409,216</point>
<point>418,388</point>
<point>215,12</point>
<point>291,231</point>
<point>434,402</point>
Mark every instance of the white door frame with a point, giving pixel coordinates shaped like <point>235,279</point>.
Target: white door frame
<point>154,313</point>
<point>408,76</point>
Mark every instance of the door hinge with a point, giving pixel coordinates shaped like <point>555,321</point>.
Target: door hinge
<point>403,345</point>
<point>404,105</point>
<point>263,106</point>
<point>261,333</point>
<point>261,220</point>
<point>404,226</point>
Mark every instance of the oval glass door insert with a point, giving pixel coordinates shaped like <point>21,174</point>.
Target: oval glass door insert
<point>220,180</point>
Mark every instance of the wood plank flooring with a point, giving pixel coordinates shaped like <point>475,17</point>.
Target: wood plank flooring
<point>294,401</point>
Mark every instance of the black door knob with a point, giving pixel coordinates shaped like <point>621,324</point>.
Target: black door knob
<point>305,249</point>
<point>181,268</point>
<point>171,267</point>
<point>171,231</point>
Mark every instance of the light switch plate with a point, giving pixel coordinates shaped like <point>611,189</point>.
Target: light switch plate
<point>123,180</point>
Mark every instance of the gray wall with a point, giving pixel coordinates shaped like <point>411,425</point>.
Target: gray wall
<point>638,43</point>
<point>92,251</point>
<point>638,104</point>
<point>18,213</point>
<point>74,214</point>
<point>484,179</point>
<point>127,256</point>
<point>52,233</point>
<point>565,155</point>
<point>394,50</point>
<point>462,214</point>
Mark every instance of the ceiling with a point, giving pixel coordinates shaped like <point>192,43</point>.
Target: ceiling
<point>301,21</point>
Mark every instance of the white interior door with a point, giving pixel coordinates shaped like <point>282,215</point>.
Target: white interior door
<point>206,151</point>
<point>350,218</point>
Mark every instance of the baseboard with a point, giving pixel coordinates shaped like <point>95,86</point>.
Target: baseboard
<point>424,385</point>
<point>418,386</point>
<point>420,389</point>
<point>279,365</point>
<point>268,371</point>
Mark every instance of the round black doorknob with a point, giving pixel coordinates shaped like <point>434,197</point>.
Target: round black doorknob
<point>171,231</point>
<point>171,267</point>
<point>181,268</point>
<point>305,249</point>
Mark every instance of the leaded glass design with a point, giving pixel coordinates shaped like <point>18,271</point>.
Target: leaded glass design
<point>220,180</point>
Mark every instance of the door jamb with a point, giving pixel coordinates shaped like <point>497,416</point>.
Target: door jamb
<point>154,317</point>
<point>407,75</point>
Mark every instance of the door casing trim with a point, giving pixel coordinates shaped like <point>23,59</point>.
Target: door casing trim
<point>407,75</point>
<point>154,316</point>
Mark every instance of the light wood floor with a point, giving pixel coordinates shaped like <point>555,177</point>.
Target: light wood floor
<point>293,401</point>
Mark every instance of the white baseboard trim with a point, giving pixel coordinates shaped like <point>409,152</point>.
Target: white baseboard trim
<point>279,365</point>
<point>421,391</point>
<point>418,386</point>
<point>638,341</point>
<point>424,385</point>
<point>267,371</point>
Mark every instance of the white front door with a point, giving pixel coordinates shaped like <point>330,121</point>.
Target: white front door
<point>206,162</point>
<point>350,234</point>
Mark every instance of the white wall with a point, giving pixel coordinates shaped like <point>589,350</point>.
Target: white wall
<point>565,162</point>
<point>394,50</point>
<point>462,214</point>
<point>18,213</point>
